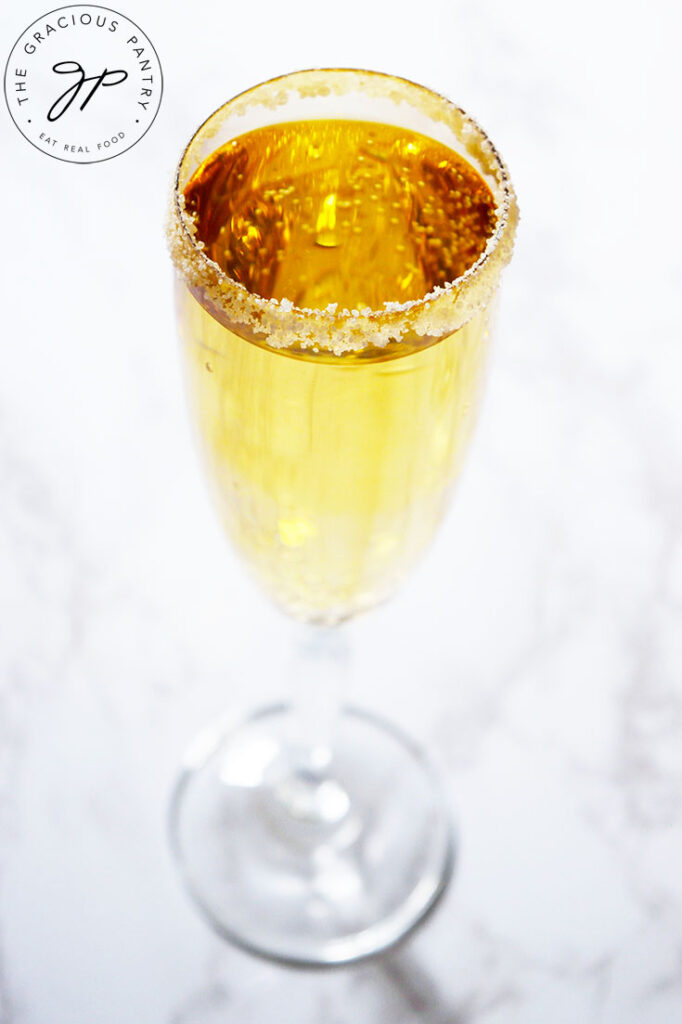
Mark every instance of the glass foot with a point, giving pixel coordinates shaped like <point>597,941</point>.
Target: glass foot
<point>322,864</point>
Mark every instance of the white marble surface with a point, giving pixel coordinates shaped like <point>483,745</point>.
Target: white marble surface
<point>537,650</point>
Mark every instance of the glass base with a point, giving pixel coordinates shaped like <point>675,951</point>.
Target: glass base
<point>314,865</point>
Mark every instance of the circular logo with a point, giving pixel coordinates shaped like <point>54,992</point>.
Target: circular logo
<point>83,83</point>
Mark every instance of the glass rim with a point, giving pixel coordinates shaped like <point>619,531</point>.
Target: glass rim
<point>279,323</point>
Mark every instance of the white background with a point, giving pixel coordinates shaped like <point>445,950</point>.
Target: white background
<point>537,650</point>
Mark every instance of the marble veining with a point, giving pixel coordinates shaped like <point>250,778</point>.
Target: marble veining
<point>537,650</point>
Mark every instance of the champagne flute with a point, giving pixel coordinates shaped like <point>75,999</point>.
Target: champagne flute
<point>338,238</point>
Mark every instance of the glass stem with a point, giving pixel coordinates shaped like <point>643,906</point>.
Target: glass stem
<point>317,676</point>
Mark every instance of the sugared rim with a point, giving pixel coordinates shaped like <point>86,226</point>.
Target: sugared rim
<point>279,323</point>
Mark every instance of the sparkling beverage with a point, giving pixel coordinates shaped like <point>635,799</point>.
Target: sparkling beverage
<point>331,466</point>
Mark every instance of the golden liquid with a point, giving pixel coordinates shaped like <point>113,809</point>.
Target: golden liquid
<point>332,471</point>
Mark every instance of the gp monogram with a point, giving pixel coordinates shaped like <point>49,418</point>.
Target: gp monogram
<point>83,83</point>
